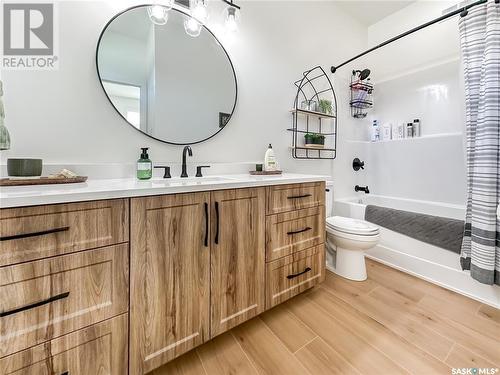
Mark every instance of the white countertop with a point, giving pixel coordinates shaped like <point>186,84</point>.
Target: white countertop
<point>19,196</point>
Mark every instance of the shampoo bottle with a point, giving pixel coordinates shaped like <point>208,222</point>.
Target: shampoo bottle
<point>144,166</point>
<point>375,131</point>
<point>269,159</point>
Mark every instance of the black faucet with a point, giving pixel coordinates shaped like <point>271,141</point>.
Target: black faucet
<point>184,166</point>
<point>362,188</point>
<point>358,164</point>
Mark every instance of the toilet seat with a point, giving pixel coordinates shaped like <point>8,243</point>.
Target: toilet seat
<point>350,228</point>
<point>354,237</point>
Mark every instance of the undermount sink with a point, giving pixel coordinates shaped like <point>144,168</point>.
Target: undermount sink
<point>194,180</point>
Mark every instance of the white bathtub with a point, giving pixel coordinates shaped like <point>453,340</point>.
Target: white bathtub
<point>426,261</point>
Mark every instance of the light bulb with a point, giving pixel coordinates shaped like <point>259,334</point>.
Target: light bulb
<point>231,19</point>
<point>192,27</point>
<point>158,14</point>
<point>200,11</point>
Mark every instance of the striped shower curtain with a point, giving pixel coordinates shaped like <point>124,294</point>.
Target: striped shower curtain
<point>480,44</point>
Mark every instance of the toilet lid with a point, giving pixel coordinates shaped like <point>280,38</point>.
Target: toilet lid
<point>349,225</point>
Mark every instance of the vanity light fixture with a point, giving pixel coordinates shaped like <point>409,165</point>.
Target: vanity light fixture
<point>199,11</point>
<point>192,27</point>
<point>231,16</point>
<point>158,14</point>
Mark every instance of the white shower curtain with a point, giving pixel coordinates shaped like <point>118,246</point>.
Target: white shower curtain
<point>480,43</point>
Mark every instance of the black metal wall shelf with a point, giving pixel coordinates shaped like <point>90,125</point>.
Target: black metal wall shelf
<point>313,88</point>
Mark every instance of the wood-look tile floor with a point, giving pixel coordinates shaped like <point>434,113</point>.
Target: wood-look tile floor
<point>392,323</point>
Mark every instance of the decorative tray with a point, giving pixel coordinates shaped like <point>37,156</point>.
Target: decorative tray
<point>41,181</point>
<point>265,173</point>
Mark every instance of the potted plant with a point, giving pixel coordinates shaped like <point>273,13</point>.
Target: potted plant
<point>319,139</point>
<point>309,139</point>
<point>325,106</point>
<point>314,139</point>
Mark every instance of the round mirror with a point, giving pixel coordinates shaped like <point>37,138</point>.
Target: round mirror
<point>168,84</point>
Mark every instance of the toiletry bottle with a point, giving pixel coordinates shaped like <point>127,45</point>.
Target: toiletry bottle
<point>409,130</point>
<point>269,159</point>
<point>144,166</point>
<point>375,132</point>
<point>416,128</point>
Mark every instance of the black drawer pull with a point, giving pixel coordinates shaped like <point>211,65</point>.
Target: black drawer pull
<point>33,305</point>
<point>206,225</point>
<point>299,231</point>
<point>34,234</point>
<point>299,196</point>
<point>65,373</point>
<point>289,277</point>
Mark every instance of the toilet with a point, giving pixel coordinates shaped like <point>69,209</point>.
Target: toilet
<point>347,241</point>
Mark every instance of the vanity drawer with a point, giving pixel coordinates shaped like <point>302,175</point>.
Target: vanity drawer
<point>289,276</point>
<point>31,233</point>
<point>293,231</point>
<point>98,349</point>
<point>285,198</point>
<point>48,298</point>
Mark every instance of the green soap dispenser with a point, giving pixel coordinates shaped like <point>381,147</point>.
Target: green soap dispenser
<point>144,166</point>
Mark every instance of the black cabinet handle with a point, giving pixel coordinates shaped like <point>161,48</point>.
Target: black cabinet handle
<point>65,373</point>
<point>34,234</point>
<point>289,277</point>
<point>299,231</point>
<point>299,196</point>
<point>206,224</point>
<point>217,223</point>
<point>33,305</point>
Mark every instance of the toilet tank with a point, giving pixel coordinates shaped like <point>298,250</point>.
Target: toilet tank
<point>329,199</point>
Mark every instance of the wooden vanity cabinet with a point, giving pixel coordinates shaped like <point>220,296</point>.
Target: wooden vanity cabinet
<point>73,301</point>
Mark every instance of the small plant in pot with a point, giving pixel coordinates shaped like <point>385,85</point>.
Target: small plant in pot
<point>314,139</point>
<point>325,106</point>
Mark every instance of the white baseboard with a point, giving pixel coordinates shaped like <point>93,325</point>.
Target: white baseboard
<point>444,276</point>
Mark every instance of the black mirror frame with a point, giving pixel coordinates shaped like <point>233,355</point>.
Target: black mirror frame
<point>109,99</point>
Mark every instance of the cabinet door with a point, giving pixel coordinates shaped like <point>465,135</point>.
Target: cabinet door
<point>238,257</point>
<point>170,278</point>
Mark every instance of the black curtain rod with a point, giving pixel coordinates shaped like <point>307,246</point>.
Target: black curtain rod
<point>462,11</point>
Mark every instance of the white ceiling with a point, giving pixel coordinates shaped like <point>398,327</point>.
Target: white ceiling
<point>369,12</point>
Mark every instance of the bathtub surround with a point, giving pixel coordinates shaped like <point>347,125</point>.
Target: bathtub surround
<point>480,39</point>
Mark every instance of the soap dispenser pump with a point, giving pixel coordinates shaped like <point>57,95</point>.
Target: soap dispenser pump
<point>144,166</point>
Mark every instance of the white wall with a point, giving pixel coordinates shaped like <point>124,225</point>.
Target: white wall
<point>418,76</point>
<point>64,117</point>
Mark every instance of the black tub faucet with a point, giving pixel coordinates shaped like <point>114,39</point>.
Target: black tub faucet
<point>184,166</point>
<point>362,188</point>
<point>358,164</point>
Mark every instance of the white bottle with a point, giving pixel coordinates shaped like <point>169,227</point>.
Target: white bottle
<point>375,132</point>
<point>269,159</point>
<point>386,132</point>
<point>417,128</point>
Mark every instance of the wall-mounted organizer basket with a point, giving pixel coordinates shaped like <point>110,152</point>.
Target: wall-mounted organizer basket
<point>314,117</point>
<point>361,94</point>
